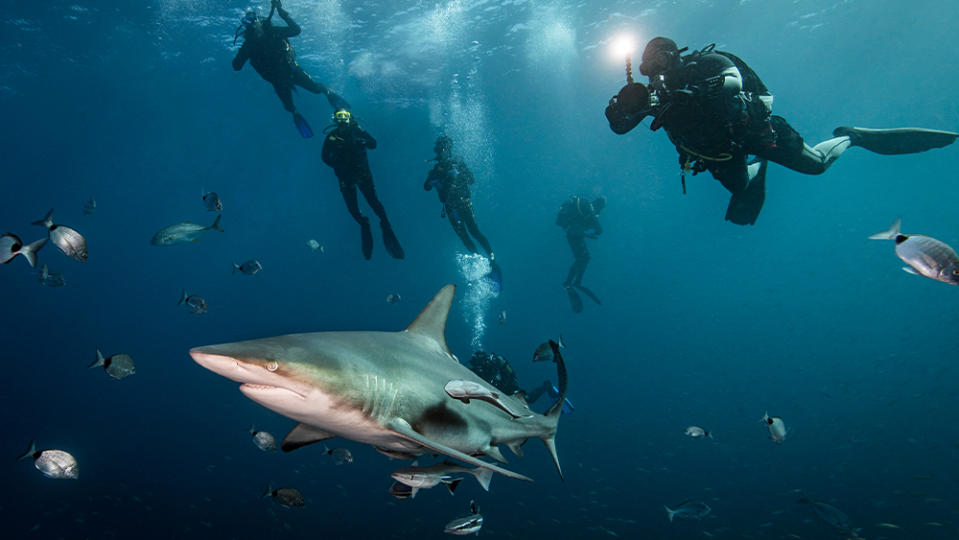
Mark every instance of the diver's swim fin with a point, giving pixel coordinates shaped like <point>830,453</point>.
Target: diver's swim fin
<point>390,241</point>
<point>495,277</point>
<point>554,394</point>
<point>366,239</point>
<point>897,140</point>
<point>302,126</point>
<point>744,206</point>
<point>575,301</point>
<point>590,294</point>
<point>337,101</point>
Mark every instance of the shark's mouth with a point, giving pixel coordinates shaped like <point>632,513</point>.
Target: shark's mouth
<point>251,389</point>
<point>254,379</point>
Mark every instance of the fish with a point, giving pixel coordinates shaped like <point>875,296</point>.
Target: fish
<point>544,352</point>
<point>393,298</point>
<point>11,246</point>
<point>925,255</point>
<point>463,526</point>
<point>401,490</point>
<point>315,246</point>
<point>70,242</point>
<point>50,279</point>
<point>263,440</point>
<point>341,456</point>
<point>118,366</point>
<point>374,387</point>
<point>502,317</point>
<point>888,525</point>
<point>56,464</point>
<point>286,497</point>
<point>688,509</point>
<point>828,513</point>
<point>182,233</point>
<point>777,428</point>
<point>195,302</point>
<point>212,202</point>
<point>696,432</point>
<point>441,473</point>
<point>250,267</point>
<point>467,390</point>
<point>90,206</point>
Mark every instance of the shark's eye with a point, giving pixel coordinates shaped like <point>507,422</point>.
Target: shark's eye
<point>272,366</point>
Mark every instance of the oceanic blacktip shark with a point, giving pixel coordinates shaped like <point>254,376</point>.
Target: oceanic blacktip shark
<point>386,389</point>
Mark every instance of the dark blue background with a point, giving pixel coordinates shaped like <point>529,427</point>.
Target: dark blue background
<point>703,322</point>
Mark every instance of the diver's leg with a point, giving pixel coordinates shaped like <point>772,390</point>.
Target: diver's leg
<point>454,214</point>
<point>369,193</point>
<point>285,93</point>
<point>746,183</point>
<point>469,219</point>
<point>791,150</point>
<point>348,189</point>
<point>578,244</point>
<point>303,79</point>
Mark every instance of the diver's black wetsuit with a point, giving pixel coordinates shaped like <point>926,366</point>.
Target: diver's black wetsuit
<point>497,371</point>
<point>274,59</point>
<point>579,220</point>
<point>452,178</point>
<point>345,151</point>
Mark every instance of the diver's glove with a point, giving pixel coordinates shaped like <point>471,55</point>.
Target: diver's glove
<point>628,108</point>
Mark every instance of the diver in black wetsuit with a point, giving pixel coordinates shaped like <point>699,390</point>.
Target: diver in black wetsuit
<point>452,179</point>
<point>267,48</point>
<point>497,371</point>
<point>717,112</point>
<point>579,218</point>
<point>344,149</point>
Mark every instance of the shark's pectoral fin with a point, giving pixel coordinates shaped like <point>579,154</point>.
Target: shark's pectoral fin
<point>303,435</point>
<point>403,428</point>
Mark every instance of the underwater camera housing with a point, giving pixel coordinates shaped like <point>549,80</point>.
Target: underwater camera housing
<point>628,108</point>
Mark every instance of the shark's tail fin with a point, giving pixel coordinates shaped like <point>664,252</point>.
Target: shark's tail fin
<point>32,449</point>
<point>556,410</point>
<point>99,361</point>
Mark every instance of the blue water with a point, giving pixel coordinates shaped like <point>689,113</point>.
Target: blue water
<point>703,322</point>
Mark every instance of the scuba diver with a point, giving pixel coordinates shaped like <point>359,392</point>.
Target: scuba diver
<point>345,151</point>
<point>267,48</point>
<point>717,112</point>
<point>452,178</point>
<point>580,219</point>
<point>497,371</point>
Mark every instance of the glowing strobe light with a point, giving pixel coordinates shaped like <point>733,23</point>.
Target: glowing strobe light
<point>623,46</point>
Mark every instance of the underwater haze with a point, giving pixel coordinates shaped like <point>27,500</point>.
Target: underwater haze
<point>703,322</point>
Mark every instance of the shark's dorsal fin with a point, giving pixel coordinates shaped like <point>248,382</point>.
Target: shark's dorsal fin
<point>303,435</point>
<point>431,322</point>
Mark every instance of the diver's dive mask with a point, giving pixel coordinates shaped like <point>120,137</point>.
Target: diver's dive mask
<point>342,117</point>
<point>247,22</point>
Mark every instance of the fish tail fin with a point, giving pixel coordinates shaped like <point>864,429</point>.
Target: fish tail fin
<point>216,224</point>
<point>483,476</point>
<point>183,298</point>
<point>890,234</point>
<point>47,220</point>
<point>235,268</point>
<point>99,361</point>
<point>669,513</point>
<point>765,418</point>
<point>32,449</point>
<point>269,489</point>
<point>709,434</point>
<point>30,250</point>
<point>452,485</point>
<point>251,430</point>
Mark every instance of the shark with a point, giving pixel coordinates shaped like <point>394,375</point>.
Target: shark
<point>390,390</point>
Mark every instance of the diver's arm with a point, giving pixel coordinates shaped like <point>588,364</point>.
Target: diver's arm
<point>595,227</point>
<point>464,172</point>
<point>329,152</point>
<point>292,29</point>
<point>432,179</point>
<point>367,139</point>
<point>241,57</point>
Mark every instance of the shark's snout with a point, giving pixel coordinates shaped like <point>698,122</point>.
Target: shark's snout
<point>256,378</point>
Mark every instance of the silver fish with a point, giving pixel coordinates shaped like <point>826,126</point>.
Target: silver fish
<point>55,464</point>
<point>925,256</point>
<point>441,473</point>
<point>828,513</point>
<point>393,298</point>
<point>544,352</point>
<point>50,279</point>
<point>182,233</point>
<point>697,432</point>
<point>90,207</point>
<point>466,525</point>
<point>212,202</point>
<point>263,440</point>
<point>287,497</point>
<point>341,456</point>
<point>250,267</point>
<point>70,242</point>
<point>314,245</point>
<point>777,428</point>
<point>502,317</point>
<point>11,246</point>
<point>117,366</point>
<point>689,509</point>
<point>195,302</point>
